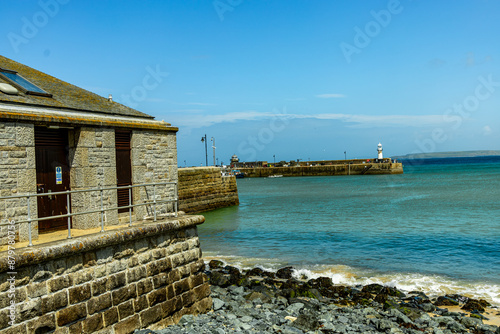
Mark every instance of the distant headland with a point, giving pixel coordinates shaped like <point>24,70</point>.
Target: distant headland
<point>454,154</point>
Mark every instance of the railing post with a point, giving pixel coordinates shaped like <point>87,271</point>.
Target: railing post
<point>176,198</point>
<point>69,212</point>
<point>154,200</point>
<point>130,203</point>
<point>102,210</point>
<point>29,222</point>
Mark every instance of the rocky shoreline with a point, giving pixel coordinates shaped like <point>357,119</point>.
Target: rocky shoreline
<point>257,301</point>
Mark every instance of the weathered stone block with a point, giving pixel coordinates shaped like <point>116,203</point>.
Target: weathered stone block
<point>116,281</point>
<point>197,266</point>
<point>140,304</point>
<point>59,283</point>
<point>99,286</point>
<point>125,310</point>
<point>28,310</point>
<point>54,302</point>
<point>157,296</point>
<point>160,280</point>
<point>128,325</point>
<point>93,323</point>
<point>137,273</point>
<point>25,134</point>
<point>202,291</point>
<point>174,276</point>
<point>188,298</point>
<point>151,315</point>
<point>99,303</point>
<point>123,294</point>
<point>19,329</point>
<point>79,293</point>
<point>42,324</point>
<point>75,328</point>
<point>110,316</point>
<point>37,289</point>
<point>70,314</point>
<point>170,291</point>
<point>82,276</point>
<point>197,280</point>
<point>115,266</point>
<point>181,286</point>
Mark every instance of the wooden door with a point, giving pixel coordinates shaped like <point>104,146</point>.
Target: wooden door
<point>123,166</point>
<point>52,175</point>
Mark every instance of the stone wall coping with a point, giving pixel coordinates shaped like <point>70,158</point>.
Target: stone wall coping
<point>208,168</point>
<point>68,247</point>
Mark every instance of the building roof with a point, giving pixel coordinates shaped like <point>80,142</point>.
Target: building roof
<point>63,94</point>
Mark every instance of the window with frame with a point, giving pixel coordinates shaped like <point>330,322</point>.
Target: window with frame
<point>24,85</point>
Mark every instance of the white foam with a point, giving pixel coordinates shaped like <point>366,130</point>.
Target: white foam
<point>431,285</point>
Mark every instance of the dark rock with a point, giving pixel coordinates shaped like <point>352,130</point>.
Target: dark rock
<point>215,264</point>
<point>381,298</point>
<point>232,270</point>
<point>445,301</point>
<point>285,273</point>
<point>362,298</point>
<point>321,282</point>
<point>255,272</point>
<point>412,313</point>
<point>218,279</point>
<point>473,305</point>
<point>393,292</point>
<point>373,288</point>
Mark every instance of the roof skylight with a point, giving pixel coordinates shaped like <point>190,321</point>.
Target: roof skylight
<point>25,86</point>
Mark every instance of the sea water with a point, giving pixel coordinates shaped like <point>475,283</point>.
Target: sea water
<point>435,228</point>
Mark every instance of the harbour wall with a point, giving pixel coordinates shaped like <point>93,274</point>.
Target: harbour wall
<point>326,170</point>
<point>117,281</point>
<point>204,188</point>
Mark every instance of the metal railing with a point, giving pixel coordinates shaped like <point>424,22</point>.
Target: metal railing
<point>154,202</point>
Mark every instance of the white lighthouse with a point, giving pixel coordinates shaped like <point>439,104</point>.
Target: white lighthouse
<point>379,151</point>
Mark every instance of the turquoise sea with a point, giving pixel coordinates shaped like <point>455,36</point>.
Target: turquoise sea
<point>435,228</point>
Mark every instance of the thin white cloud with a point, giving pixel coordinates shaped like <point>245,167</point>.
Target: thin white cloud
<point>356,121</point>
<point>330,96</point>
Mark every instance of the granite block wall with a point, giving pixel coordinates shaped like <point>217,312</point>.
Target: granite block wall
<point>17,176</point>
<point>92,160</point>
<point>154,159</point>
<point>112,282</point>
<point>204,188</point>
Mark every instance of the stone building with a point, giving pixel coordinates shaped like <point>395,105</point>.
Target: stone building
<point>55,136</point>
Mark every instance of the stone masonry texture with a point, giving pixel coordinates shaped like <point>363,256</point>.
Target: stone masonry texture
<point>203,189</point>
<point>92,160</point>
<point>154,159</point>
<point>149,276</point>
<point>17,176</point>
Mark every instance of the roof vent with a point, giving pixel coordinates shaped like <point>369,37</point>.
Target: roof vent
<point>8,89</point>
<point>110,98</point>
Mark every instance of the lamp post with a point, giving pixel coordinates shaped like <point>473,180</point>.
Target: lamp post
<point>274,156</point>
<point>204,139</point>
<point>213,146</point>
<point>345,155</point>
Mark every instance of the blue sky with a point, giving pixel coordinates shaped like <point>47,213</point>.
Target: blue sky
<point>295,79</point>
